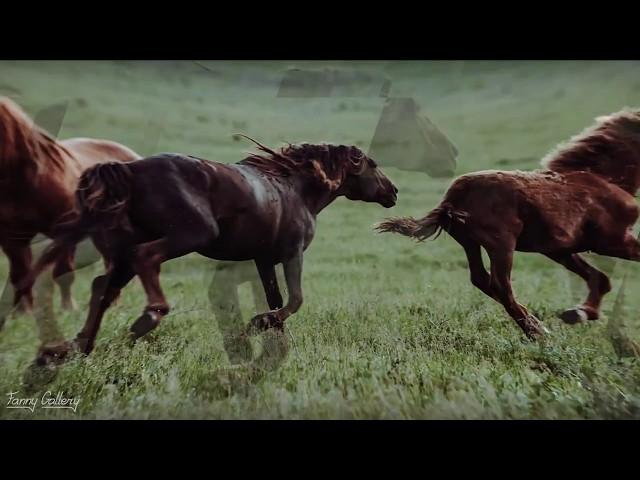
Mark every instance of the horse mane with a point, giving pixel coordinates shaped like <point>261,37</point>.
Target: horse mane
<point>21,139</point>
<point>609,148</point>
<point>325,163</point>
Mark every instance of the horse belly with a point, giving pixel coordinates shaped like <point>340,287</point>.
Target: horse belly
<point>552,222</point>
<point>241,239</point>
<point>548,238</point>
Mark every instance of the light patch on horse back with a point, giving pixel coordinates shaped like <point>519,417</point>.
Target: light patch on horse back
<point>256,184</point>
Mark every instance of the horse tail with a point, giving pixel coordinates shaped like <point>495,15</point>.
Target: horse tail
<point>103,194</point>
<point>438,219</point>
<point>102,197</point>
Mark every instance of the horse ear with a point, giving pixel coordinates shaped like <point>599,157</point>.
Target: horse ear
<point>357,160</point>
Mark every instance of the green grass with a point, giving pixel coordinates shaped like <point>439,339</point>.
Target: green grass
<point>389,329</point>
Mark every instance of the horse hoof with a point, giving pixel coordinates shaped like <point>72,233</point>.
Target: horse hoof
<point>53,353</point>
<point>573,316</point>
<point>37,376</point>
<point>69,305</point>
<point>239,349</point>
<point>263,322</point>
<point>145,323</point>
<point>22,310</point>
<point>82,345</point>
<point>533,328</point>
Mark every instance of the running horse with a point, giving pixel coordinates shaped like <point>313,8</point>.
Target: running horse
<point>582,200</point>
<point>38,178</point>
<point>262,208</point>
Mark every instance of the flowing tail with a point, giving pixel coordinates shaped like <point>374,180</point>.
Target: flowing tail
<point>102,198</point>
<point>438,219</point>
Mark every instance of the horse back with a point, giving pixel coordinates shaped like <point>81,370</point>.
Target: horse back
<point>91,151</point>
<point>545,209</point>
<point>174,193</point>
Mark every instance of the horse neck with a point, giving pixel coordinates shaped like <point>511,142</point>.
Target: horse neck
<point>627,179</point>
<point>13,164</point>
<point>35,157</point>
<point>315,197</point>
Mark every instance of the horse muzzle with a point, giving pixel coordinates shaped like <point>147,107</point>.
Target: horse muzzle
<point>389,200</point>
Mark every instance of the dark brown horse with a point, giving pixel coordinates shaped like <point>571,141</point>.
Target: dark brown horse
<point>582,201</point>
<point>262,209</point>
<point>38,178</point>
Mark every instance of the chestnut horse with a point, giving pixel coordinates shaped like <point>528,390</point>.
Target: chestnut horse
<point>262,208</point>
<point>38,178</point>
<point>583,200</point>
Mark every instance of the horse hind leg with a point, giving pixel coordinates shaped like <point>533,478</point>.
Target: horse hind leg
<point>104,290</point>
<point>146,263</point>
<point>74,259</point>
<point>597,282</point>
<point>478,274</point>
<point>501,264</point>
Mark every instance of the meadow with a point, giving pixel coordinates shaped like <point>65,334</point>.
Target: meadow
<point>389,329</point>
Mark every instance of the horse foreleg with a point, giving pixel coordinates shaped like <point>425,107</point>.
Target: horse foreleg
<point>64,276</point>
<point>269,281</point>
<point>276,318</point>
<point>598,283</point>
<point>20,258</point>
<point>501,264</point>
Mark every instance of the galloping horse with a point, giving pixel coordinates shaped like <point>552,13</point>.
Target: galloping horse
<point>38,178</point>
<point>262,208</point>
<point>583,200</point>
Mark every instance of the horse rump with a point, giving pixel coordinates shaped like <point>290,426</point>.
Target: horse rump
<point>438,219</point>
<point>102,198</point>
<point>103,194</point>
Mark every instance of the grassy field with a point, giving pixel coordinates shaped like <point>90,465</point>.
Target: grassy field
<point>389,329</point>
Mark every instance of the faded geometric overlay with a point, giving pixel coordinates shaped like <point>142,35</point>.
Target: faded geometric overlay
<point>248,365</point>
<point>404,138</point>
<point>332,82</point>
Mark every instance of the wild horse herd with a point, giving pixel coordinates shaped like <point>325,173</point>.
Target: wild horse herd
<point>141,212</point>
